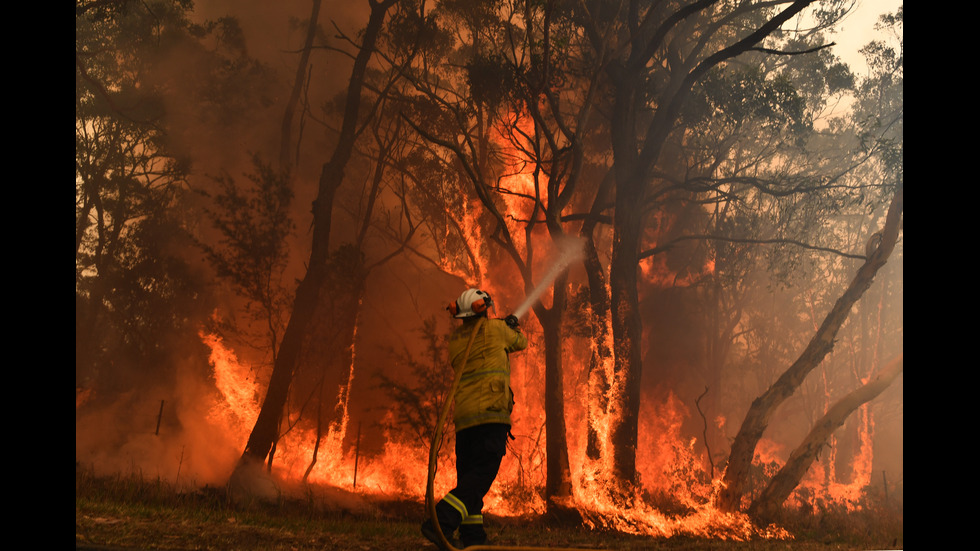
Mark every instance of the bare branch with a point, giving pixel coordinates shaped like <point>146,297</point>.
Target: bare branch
<point>704,433</point>
<point>783,241</point>
<point>784,52</point>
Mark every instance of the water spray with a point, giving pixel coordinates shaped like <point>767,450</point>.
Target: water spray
<point>570,250</point>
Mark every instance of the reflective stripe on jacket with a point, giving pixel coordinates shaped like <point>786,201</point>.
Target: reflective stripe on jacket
<point>484,394</point>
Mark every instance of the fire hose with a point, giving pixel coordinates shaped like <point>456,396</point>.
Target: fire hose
<point>434,455</point>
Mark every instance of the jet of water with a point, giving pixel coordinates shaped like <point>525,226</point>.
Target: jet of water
<point>570,250</point>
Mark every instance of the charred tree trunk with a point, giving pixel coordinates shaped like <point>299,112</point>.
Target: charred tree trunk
<point>598,389</point>
<point>328,357</point>
<point>763,407</point>
<point>558,480</point>
<point>766,506</point>
<point>624,299</point>
<point>265,431</point>
<point>627,330</point>
<point>319,437</point>
<point>635,153</point>
<point>598,376</point>
<point>290,114</point>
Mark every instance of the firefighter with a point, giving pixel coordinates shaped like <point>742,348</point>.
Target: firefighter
<point>483,404</point>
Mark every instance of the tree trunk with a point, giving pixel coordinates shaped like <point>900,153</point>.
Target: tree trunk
<point>768,503</point>
<point>624,300</point>
<point>598,376</point>
<point>763,407</point>
<point>290,113</point>
<point>558,481</point>
<point>265,431</point>
<point>634,156</point>
<point>328,358</point>
<point>627,350</point>
<point>598,379</point>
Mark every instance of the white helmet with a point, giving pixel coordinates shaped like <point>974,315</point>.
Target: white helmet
<point>472,302</point>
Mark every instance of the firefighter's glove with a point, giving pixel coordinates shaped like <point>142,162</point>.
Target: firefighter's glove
<point>511,321</point>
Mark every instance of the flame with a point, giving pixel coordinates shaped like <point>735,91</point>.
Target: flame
<point>238,408</point>
<point>473,235</point>
<point>656,272</point>
<point>401,469</point>
<point>821,479</point>
<point>518,177</point>
<point>671,464</point>
<point>522,188</point>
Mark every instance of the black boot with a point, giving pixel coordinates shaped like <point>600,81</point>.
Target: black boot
<point>430,533</point>
<point>473,534</point>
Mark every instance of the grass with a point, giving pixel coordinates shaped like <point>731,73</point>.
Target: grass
<point>128,511</point>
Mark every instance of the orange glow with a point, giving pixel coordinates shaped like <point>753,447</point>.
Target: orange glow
<point>519,190</point>
<point>656,272</point>
<point>238,408</point>
<point>671,464</point>
<point>473,234</point>
<point>822,480</point>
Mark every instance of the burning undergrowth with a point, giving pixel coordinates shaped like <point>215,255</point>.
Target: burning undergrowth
<point>207,426</point>
<point>195,438</point>
<point>674,499</point>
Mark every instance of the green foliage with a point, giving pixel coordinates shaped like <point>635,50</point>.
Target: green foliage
<point>140,311</point>
<point>136,296</point>
<point>481,14</point>
<point>407,31</point>
<point>227,83</point>
<point>736,97</point>
<point>254,223</point>
<point>827,12</point>
<point>491,80</point>
<point>838,78</point>
<point>140,299</point>
<point>879,113</point>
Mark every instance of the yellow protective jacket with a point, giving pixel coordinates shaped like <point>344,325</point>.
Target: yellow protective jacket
<point>484,394</point>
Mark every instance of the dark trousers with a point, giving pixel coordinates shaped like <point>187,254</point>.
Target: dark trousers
<point>479,450</point>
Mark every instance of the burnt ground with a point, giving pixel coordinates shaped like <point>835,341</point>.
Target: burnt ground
<point>126,514</point>
<point>130,527</point>
<point>128,534</point>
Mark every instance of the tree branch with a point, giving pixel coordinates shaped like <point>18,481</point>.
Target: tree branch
<point>784,52</point>
<point>704,432</point>
<point>670,244</point>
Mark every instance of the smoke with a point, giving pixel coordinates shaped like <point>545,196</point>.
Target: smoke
<point>162,432</point>
<point>160,423</point>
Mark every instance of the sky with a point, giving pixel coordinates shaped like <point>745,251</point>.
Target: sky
<point>857,30</point>
<point>272,18</point>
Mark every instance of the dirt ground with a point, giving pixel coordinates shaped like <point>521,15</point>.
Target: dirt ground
<point>174,532</point>
<point>126,514</point>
